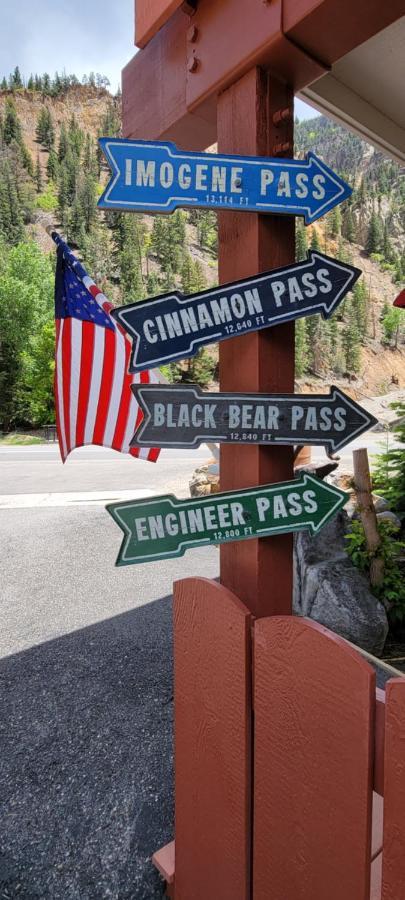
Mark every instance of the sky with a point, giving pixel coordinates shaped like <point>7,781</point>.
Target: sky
<point>79,36</point>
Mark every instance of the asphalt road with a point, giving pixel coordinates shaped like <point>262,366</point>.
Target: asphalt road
<point>85,678</point>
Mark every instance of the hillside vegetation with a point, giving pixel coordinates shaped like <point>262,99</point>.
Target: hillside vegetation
<point>51,172</point>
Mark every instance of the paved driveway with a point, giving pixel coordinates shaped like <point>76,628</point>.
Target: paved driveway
<point>85,680</point>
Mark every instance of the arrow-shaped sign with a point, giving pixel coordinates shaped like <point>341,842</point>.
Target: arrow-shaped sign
<point>186,416</point>
<point>150,176</point>
<point>162,527</point>
<point>174,326</point>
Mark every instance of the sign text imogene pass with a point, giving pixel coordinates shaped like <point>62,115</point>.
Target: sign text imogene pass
<point>163,527</point>
<point>153,176</point>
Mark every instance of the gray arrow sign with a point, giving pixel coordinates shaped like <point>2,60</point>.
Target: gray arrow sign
<point>185,416</point>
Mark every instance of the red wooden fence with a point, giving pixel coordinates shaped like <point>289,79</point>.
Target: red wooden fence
<point>283,750</point>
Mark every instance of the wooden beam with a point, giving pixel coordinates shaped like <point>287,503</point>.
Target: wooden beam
<point>259,572</point>
<point>154,93</point>
<point>150,15</point>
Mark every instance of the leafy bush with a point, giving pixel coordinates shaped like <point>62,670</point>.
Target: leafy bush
<point>392,590</point>
<point>47,201</point>
<point>389,471</point>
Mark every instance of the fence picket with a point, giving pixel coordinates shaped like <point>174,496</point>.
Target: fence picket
<point>393,857</point>
<point>314,704</point>
<point>212,742</point>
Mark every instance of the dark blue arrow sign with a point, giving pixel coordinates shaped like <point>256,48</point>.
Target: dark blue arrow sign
<point>150,176</point>
<point>178,415</point>
<point>174,326</point>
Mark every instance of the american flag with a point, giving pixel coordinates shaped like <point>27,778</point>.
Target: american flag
<point>93,399</point>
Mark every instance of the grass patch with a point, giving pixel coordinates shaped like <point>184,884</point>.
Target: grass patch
<point>8,440</point>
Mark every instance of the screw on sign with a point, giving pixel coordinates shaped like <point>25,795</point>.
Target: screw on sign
<point>185,416</point>
<point>174,326</point>
<point>152,176</point>
<point>165,527</point>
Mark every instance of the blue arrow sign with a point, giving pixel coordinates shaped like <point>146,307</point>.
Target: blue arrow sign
<point>175,326</point>
<point>151,176</point>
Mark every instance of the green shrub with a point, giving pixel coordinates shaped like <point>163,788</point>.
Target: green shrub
<point>392,590</point>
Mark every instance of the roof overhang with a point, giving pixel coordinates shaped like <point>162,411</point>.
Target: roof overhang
<point>365,91</point>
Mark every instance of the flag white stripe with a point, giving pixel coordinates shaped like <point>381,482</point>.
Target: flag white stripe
<point>94,393</point>
<point>132,416</point>
<point>76,354</point>
<point>116,390</point>
<point>59,380</point>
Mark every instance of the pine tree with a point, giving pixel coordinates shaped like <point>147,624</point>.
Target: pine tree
<point>63,143</point>
<point>301,243</point>
<point>52,166</point>
<point>49,131</point>
<point>40,126</point>
<point>87,198</point>
<point>89,164</point>
<point>336,362</point>
<point>31,83</point>
<point>375,235</point>
<point>351,345</point>
<point>389,473</point>
<point>301,348</point>
<point>130,275</point>
<point>12,126</point>
<point>16,80</point>
<point>63,193</point>
<point>335,224</point>
<point>187,275</point>
<point>11,222</point>
<point>26,159</point>
<point>38,176</point>
<point>386,244</point>
<point>349,225</point>
<point>152,285</point>
<point>315,241</point>
<point>4,85</point>
<point>359,306</point>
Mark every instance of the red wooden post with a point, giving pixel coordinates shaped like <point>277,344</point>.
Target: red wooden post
<point>259,572</point>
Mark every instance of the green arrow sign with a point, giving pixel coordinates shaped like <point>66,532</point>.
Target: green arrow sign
<point>161,527</point>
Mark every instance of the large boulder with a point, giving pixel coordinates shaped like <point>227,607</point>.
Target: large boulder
<point>330,590</point>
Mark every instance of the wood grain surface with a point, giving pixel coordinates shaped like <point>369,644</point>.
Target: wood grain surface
<point>313,764</point>
<point>212,742</point>
<point>259,572</point>
<point>393,864</point>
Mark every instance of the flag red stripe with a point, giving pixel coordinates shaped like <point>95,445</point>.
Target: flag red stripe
<point>66,369</point>
<point>105,386</point>
<point>125,403</point>
<point>86,367</point>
